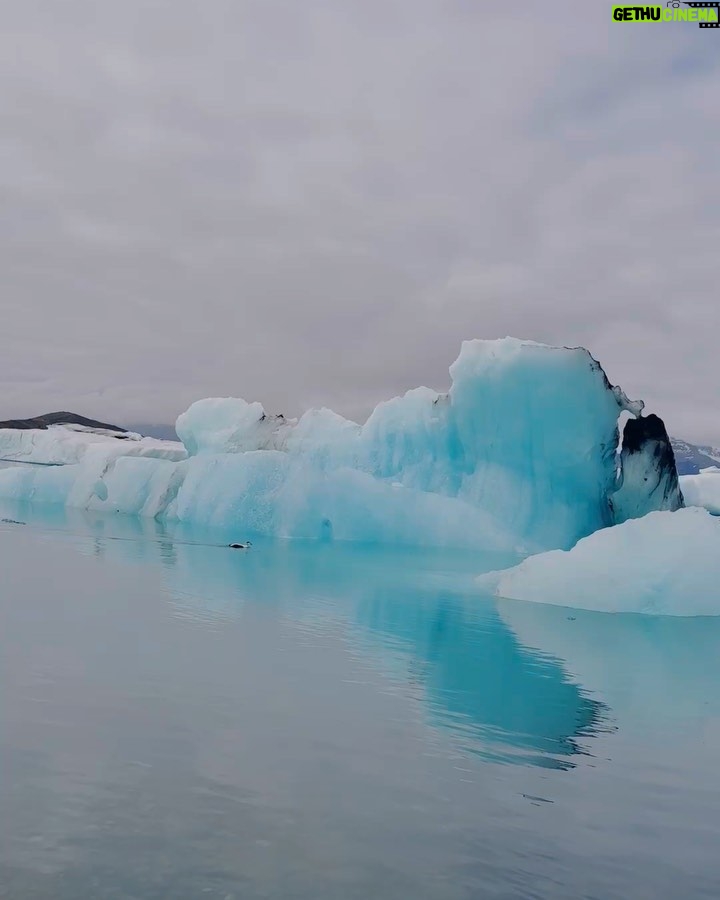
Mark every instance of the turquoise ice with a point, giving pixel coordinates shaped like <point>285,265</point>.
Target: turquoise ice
<point>521,454</point>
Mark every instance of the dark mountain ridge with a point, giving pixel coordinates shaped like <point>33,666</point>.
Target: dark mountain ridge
<point>61,418</point>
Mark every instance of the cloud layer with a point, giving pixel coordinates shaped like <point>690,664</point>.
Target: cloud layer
<point>314,203</point>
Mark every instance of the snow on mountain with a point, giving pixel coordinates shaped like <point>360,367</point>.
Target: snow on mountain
<point>691,458</point>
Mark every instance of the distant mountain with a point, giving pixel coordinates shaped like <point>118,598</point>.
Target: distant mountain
<point>61,418</point>
<point>73,420</point>
<point>690,458</point>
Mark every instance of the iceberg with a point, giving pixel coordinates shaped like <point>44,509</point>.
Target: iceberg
<point>703,489</point>
<point>666,563</point>
<point>67,444</point>
<point>520,453</point>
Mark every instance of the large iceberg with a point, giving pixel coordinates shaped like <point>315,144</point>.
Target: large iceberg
<point>521,452</point>
<point>666,563</point>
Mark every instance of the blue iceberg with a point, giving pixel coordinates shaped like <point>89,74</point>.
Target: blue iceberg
<point>521,453</point>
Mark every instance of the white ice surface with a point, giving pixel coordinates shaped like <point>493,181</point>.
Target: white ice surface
<point>666,563</point>
<point>703,489</point>
<point>61,445</point>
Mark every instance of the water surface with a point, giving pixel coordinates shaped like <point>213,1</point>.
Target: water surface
<point>180,720</point>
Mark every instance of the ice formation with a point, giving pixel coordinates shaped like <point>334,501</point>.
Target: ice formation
<point>647,470</point>
<point>666,563</point>
<point>61,445</point>
<point>703,489</point>
<point>520,452</point>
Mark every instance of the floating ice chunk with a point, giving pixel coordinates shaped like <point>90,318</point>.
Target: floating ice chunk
<point>703,489</point>
<point>61,445</point>
<point>666,563</point>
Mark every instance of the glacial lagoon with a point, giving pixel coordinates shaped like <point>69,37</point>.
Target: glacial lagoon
<point>307,720</point>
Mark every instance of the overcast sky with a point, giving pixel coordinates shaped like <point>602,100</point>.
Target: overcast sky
<point>312,202</point>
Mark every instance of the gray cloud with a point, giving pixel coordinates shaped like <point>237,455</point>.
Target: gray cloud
<point>314,203</point>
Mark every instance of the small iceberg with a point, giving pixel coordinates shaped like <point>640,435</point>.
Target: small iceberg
<point>703,489</point>
<point>667,563</point>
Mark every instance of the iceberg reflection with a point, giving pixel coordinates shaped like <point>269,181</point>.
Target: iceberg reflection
<point>414,614</point>
<point>507,702</point>
<point>646,668</point>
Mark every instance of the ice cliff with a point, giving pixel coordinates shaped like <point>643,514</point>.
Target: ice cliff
<point>521,452</point>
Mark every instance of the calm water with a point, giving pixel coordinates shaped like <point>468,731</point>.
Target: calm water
<point>180,720</point>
